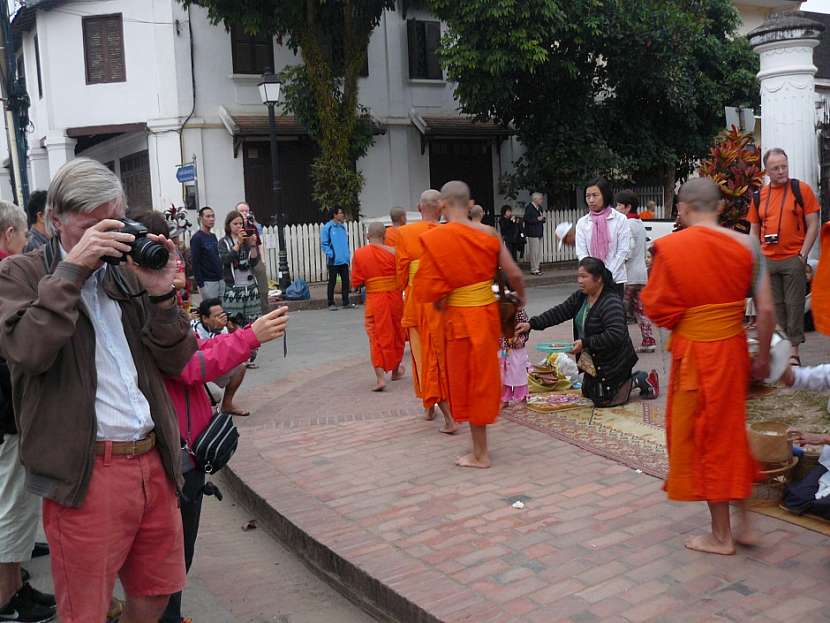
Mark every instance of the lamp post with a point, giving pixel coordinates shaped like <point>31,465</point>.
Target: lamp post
<point>269,92</point>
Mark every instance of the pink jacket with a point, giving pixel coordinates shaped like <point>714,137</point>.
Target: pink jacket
<point>215,357</point>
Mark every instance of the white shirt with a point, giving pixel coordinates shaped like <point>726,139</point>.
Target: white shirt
<point>635,263</point>
<point>618,249</point>
<point>815,378</point>
<point>122,411</point>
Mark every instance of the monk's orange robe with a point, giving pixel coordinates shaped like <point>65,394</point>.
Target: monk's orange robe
<point>374,266</point>
<point>422,322</point>
<point>459,263</point>
<point>820,288</point>
<point>697,287</point>
<point>392,236</point>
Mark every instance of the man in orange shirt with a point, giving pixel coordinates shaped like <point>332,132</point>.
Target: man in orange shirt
<point>785,218</point>
<point>421,322</point>
<point>398,217</point>
<point>374,266</point>
<point>456,273</point>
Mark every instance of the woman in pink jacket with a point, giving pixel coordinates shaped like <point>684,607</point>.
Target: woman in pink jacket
<point>215,358</point>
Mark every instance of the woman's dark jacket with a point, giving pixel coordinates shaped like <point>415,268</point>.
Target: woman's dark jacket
<point>606,340</point>
<point>233,260</point>
<point>509,231</point>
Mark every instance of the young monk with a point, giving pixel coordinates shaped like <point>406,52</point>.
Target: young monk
<point>374,266</point>
<point>456,274</point>
<point>422,322</point>
<point>398,216</point>
<point>699,279</point>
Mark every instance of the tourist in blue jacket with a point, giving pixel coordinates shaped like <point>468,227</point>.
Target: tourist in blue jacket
<point>334,241</point>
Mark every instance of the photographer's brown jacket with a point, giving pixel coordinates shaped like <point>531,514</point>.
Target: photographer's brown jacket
<point>49,343</point>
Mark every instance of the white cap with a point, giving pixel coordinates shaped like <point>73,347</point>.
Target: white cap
<point>561,231</point>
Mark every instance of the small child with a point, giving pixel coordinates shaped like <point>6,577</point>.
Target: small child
<point>514,365</point>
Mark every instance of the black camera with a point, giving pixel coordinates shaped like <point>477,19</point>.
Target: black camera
<point>771,239</point>
<point>250,226</point>
<point>145,252</point>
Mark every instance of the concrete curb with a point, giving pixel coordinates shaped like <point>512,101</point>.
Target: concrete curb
<point>358,586</point>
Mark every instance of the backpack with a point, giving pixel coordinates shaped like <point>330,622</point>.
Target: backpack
<point>795,186</point>
<point>297,291</point>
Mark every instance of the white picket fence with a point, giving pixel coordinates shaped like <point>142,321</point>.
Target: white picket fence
<point>306,259</point>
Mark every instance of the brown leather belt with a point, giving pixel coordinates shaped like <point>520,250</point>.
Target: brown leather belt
<point>127,448</point>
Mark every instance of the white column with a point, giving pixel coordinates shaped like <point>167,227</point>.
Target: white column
<point>788,112</point>
<point>39,177</point>
<point>60,149</point>
<point>165,154</point>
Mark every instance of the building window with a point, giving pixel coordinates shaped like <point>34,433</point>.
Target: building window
<point>423,39</point>
<point>37,67</point>
<point>104,49</point>
<point>251,54</point>
<point>135,178</point>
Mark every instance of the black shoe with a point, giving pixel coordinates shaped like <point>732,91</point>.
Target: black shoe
<point>25,576</point>
<point>29,593</point>
<point>24,610</point>
<point>40,549</point>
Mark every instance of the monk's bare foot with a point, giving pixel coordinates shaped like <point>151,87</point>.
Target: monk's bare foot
<point>379,387</point>
<point>429,414</point>
<point>469,460</point>
<point>747,537</point>
<point>505,404</point>
<point>709,544</point>
<point>449,428</point>
<point>398,373</point>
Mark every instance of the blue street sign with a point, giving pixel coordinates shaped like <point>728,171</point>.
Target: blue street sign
<point>186,172</point>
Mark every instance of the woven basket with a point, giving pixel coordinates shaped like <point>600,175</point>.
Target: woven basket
<point>769,443</point>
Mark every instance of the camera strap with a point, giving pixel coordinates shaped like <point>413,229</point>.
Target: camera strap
<point>780,211</point>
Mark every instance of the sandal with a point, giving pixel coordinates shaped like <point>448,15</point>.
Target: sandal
<point>239,413</point>
<point>795,360</point>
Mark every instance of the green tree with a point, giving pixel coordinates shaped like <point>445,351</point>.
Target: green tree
<point>332,37</point>
<point>618,87</point>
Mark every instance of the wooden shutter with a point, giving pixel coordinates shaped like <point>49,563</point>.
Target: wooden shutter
<point>251,55</point>
<point>412,44</point>
<point>37,67</point>
<point>432,40</point>
<point>104,49</point>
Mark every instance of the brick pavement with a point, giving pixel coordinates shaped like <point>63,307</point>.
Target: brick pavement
<point>367,491</point>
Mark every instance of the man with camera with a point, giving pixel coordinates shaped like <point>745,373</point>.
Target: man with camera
<point>784,216</point>
<point>88,342</point>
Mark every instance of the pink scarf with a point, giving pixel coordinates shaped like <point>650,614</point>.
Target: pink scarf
<point>600,236</point>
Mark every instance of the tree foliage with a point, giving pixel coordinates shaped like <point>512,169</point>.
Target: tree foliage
<point>332,37</point>
<point>620,87</point>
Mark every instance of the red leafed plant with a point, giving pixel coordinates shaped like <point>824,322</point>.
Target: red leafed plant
<point>734,164</point>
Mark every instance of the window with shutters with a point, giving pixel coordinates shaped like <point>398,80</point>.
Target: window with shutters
<point>251,54</point>
<point>135,178</point>
<point>423,40</point>
<point>104,49</point>
<point>37,66</point>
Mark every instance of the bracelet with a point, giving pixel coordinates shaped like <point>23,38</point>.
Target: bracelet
<point>163,297</point>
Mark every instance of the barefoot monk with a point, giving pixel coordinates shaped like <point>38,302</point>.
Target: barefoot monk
<point>421,321</point>
<point>456,274</point>
<point>699,279</point>
<point>374,266</point>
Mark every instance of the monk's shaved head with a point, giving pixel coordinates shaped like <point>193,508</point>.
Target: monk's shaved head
<point>476,213</point>
<point>376,232</point>
<point>456,194</point>
<point>700,194</point>
<point>398,216</point>
<point>428,205</point>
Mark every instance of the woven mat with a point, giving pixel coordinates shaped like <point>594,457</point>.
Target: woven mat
<point>634,435</point>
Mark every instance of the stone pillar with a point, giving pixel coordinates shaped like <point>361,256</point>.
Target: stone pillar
<point>785,44</point>
<point>38,169</point>
<point>60,149</point>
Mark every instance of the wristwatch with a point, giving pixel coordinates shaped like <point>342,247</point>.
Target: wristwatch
<point>160,298</point>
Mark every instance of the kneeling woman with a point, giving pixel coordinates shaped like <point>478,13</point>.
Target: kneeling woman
<point>600,331</point>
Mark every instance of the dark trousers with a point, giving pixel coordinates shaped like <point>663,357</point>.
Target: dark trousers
<point>191,508</point>
<point>334,271</point>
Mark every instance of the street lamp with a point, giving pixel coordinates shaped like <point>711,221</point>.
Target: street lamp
<point>269,93</point>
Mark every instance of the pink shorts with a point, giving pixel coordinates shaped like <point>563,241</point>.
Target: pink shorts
<point>128,525</point>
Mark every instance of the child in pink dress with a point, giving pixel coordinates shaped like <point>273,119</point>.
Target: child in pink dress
<point>515,363</point>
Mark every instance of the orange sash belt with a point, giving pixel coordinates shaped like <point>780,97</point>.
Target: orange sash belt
<point>381,284</point>
<point>474,295</point>
<point>712,323</point>
<point>413,268</point>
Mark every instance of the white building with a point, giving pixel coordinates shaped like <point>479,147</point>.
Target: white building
<point>144,85</point>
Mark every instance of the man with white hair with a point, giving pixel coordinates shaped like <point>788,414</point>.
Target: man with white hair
<point>88,341</point>
<point>19,509</point>
<point>534,229</point>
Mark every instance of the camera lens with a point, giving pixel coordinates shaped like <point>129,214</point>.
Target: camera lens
<point>149,254</point>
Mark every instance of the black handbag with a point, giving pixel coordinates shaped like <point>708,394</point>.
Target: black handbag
<point>212,450</point>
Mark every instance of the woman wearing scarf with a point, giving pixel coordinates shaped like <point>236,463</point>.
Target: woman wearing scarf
<point>603,233</point>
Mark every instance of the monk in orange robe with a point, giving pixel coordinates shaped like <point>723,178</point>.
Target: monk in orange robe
<point>421,321</point>
<point>699,279</point>
<point>398,217</point>
<point>374,266</point>
<point>456,274</point>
